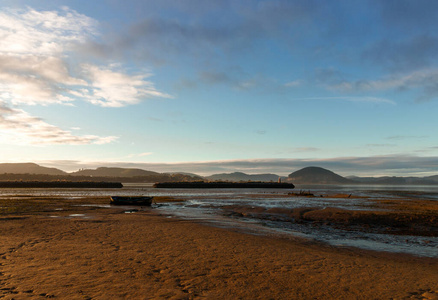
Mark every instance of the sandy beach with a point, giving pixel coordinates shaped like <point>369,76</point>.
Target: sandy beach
<point>105,253</point>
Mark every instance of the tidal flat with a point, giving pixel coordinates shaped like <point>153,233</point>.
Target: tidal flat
<point>74,245</point>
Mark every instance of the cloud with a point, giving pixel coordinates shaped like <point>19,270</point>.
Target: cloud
<point>294,83</point>
<point>32,50</point>
<point>115,88</point>
<point>190,29</point>
<point>30,32</point>
<point>407,55</point>
<point>37,65</point>
<point>233,77</point>
<point>18,127</point>
<point>145,154</point>
<point>34,80</point>
<point>162,40</point>
<point>380,145</point>
<point>305,149</point>
<point>409,41</point>
<point>407,15</point>
<point>405,137</point>
<point>353,99</point>
<point>425,81</point>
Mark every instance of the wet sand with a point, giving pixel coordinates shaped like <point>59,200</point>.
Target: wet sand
<point>67,252</point>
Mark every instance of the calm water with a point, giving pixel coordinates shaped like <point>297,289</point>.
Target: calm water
<point>212,206</point>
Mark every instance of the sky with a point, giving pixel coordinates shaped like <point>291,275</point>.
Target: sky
<point>221,86</point>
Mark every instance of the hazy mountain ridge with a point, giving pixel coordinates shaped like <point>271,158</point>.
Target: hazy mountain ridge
<point>394,180</point>
<point>114,172</point>
<point>28,168</point>
<point>239,176</point>
<point>34,172</point>
<point>308,175</point>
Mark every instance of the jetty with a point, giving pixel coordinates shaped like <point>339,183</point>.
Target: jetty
<point>59,184</point>
<point>131,200</point>
<point>224,185</point>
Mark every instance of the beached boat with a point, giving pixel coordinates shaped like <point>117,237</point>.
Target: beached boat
<point>131,200</point>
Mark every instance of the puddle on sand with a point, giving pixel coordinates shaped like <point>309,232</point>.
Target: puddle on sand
<point>77,215</point>
<point>94,205</point>
<point>72,216</point>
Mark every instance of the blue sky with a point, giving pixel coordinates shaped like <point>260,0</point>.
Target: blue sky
<point>221,86</point>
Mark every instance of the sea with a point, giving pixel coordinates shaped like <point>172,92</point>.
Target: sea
<point>217,207</point>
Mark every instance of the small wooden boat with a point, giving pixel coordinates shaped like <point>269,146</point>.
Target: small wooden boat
<point>131,200</point>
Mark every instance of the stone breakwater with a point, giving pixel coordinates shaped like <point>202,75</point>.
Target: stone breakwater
<point>59,184</point>
<point>224,185</point>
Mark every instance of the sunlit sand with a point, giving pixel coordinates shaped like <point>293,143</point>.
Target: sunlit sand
<point>56,249</point>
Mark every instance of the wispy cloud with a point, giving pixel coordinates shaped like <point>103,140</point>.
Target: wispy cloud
<point>353,99</point>
<point>425,80</point>
<point>145,154</point>
<point>113,88</point>
<point>305,149</point>
<point>31,32</point>
<point>36,63</point>
<point>33,79</point>
<point>18,127</point>
<point>33,69</point>
<point>406,137</point>
<point>38,66</point>
<point>416,53</point>
<point>160,38</point>
<point>294,83</point>
<point>380,145</point>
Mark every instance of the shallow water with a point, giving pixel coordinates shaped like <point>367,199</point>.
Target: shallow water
<point>205,211</point>
<point>212,206</point>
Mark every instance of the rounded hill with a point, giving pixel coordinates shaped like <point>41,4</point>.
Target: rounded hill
<point>317,175</point>
<point>114,172</point>
<point>28,168</point>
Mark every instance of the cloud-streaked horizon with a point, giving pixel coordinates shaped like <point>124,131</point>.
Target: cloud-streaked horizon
<point>389,165</point>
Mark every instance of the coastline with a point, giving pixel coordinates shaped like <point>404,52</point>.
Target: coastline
<point>88,252</point>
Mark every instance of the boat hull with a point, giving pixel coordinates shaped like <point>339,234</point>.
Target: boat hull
<point>129,200</point>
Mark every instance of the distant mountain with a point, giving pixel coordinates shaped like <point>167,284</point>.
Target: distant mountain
<point>317,175</point>
<point>28,168</point>
<point>34,172</point>
<point>114,172</point>
<point>184,173</point>
<point>394,180</point>
<point>309,175</point>
<point>432,178</point>
<point>134,175</point>
<point>239,176</point>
